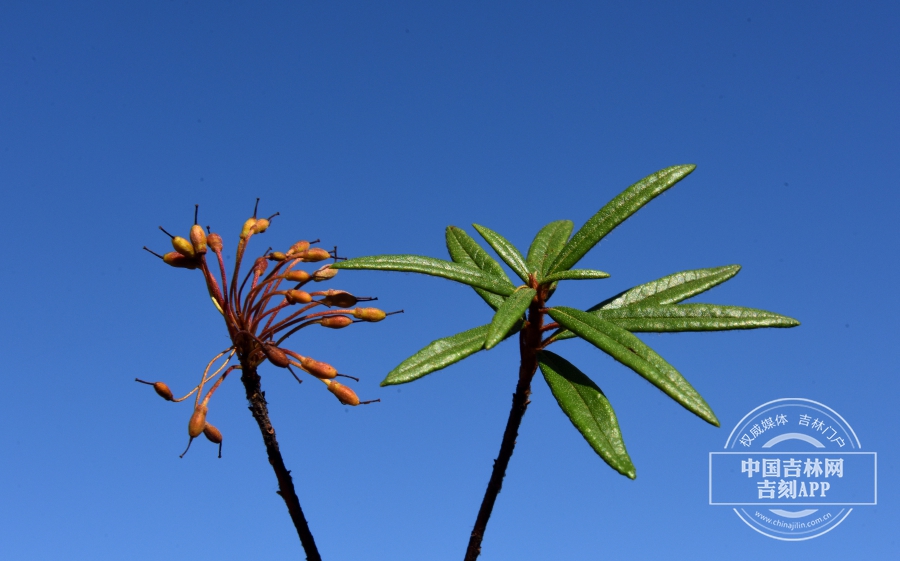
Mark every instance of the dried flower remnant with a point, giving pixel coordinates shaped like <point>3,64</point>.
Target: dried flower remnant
<point>261,311</point>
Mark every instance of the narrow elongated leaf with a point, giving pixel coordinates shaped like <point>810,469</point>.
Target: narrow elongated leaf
<point>615,212</point>
<point>546,245</point>
<point>576,274</point>
<point>588,409</point>
<point>505,250</point>
<point>460,244</point>
<point>633,353</point>
<point>671,289</point>
<point>509,313</point>
<point>463,249</point>
<point>558,240</point>
<point>692,317</point>
<point>666,290</point>
<point>466,274</point>
<point>440,354</point>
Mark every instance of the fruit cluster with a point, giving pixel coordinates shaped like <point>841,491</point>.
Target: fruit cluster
<point>252,319</point>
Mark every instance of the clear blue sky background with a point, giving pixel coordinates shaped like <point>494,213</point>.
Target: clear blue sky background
<point>374,126</point>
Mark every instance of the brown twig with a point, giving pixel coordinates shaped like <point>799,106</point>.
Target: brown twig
<point>258,407</point>
<point>529,341</point>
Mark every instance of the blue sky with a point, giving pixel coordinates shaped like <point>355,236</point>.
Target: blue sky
<point>373,126</point>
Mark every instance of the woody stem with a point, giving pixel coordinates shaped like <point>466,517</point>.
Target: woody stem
<point>259,408</point>
<point>529,341</point>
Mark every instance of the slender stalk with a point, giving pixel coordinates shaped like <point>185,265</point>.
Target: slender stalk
<point>529,341</point>
<point>258,407</point>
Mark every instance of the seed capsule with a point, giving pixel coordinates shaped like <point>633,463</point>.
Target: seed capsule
<point>215,242</point>
<point>276,256</point>
<point>245,230</point>
<point>197,422</point>
<point>214,436</point>
<point>183,247</point>
<point>319,369</point>
<point>336,322</point>
<point>298,297</point>
<point>369,314</point>
<point>276,356</point>
<point>299,247</point>
<point>344,394</point>
<point>324,273</point>
<point>178,260</point>
<point>262,225</point>
<point>161,389</point>
<point>260,266</point>
<point>296,276</point>
<point>212,433</point>
<point>198,239</point>
<point>315,254</point>
<point>338,298</point>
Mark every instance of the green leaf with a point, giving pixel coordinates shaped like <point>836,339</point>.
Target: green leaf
<point>509,313</point>
<point>463,249</point>
<point>666,290</point>
<point>588,409</point>
<point>546,245</point>
<point>505,250</point>
<point>575,274</point>
<point>558,241</point>
<point>461,245</point>
<point>692,317</point>
<point>465,274</point>
<point>633,353</point>
<point>438,354</point>
<point>671,289</point>
<point>615,212</point>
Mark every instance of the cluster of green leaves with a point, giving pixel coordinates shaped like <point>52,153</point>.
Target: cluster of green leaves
<point>650,307</point>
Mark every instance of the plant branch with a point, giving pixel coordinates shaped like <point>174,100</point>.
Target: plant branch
<point>258,407</point>
<point>529,341</point>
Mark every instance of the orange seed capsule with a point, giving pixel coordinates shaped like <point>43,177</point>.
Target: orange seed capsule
<point>298,297</point>
<point>176,259</point>
<point>197,422</point>
<point>336,322</point>
<point>296,276</point>
<point>324,273</point>
<point>369,314</point>
<point>163,390</point>
<point>198,239</point>
<point>276,256</point>
<point>260,266</point>
<point>215,242</point>
<point>344,394</point>
<point>276,356</point>
<point>262,225</point>
<point>319,369</point>
<point>245,230</point>
<point>299,247</point>
<point>315,254</point>
<point>183,246</point>
<point>212,433</point>
<point>214,436</point>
